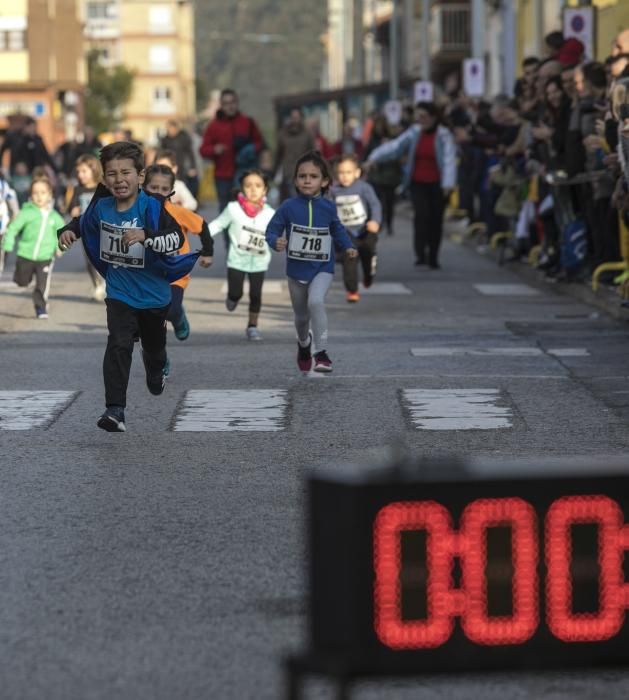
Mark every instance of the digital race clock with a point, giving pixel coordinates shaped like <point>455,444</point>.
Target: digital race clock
<point>451,567</point>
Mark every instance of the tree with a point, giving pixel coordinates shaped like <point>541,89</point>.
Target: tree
<point>108,90</point>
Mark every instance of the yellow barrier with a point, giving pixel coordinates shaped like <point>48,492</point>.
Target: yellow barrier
<point>534,254</point>
<point>499,237</point>
<point>207,190</point>
<point>623,266</point>
<point>478,227</point>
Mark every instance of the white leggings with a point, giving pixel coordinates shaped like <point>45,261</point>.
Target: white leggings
<point>308,301</point>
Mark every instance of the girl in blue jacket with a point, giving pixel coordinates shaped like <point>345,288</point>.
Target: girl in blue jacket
<point>307,228</point>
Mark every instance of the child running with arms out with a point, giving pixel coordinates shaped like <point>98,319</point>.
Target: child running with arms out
<point>248,254</point>
<point>308,228</point>
<point>127,236</point>
<point>159,181</point>
<point>360,212</point>
<point>36,225</point>
<point>89,173</point>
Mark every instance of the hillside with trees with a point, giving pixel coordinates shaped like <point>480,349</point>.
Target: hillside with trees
<point>261,48</point>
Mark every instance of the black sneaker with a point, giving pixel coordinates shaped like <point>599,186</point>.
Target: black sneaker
<point>112,420</point>
<point>322,362</point>
<point>156,381</point>
<point>304,355</point>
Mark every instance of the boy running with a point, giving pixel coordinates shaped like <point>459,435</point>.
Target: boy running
<point>128,237</point>
<point>360,212</point>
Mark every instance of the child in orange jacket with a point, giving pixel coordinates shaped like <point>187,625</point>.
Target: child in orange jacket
<point>160,180</point>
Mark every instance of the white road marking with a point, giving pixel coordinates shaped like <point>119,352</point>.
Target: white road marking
<point>457,409</point>
<point>24,410</point>
<point>568,352</point>
<point>385,289</point>
<point>269,287</point>
<point>225,410</point>
<point>498,352</point>
<point>499,290</point>
<point>452,352</point>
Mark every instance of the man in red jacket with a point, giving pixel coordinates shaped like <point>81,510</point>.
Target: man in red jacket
<point>232,140</point>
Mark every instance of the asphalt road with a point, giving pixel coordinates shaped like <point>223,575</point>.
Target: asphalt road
<point>167,563</point>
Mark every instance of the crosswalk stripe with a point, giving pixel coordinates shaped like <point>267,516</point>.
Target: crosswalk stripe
<point>498,352</point>
<point>226,410</point>
<point>521,290</point>
<point>456,409</point>
<point>24,410</point>
<point>385,289</point>
<point>568,352</point>
<point>269,287</point>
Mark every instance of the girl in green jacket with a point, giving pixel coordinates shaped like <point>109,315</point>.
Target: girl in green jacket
<point>36,225</point>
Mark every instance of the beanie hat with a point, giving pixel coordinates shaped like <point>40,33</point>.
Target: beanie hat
<point>571,52</point>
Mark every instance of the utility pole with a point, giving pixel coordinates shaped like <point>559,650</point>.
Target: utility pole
<point>478,29</point>
<point>538,25</point>
<point>394,63</point>
<point>508,48</point>
<point>425,40</point>
<point>358,36</point>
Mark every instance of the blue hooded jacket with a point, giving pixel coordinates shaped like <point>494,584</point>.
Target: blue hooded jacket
<point>299,214</point>
<point>161,232</point>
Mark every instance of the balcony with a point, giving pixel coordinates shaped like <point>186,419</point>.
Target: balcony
<point>450,30</point>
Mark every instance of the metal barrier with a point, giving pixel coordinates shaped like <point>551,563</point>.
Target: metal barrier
<point>622,266</point>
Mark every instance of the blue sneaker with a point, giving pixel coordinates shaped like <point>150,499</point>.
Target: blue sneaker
<point>182,329</point>
<point>112,420</point>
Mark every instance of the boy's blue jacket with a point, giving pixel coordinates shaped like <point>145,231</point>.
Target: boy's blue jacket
<point>163,237</point>
<point>313,212</point>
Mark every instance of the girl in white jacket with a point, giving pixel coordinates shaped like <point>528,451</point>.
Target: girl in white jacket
<point>245,221</point>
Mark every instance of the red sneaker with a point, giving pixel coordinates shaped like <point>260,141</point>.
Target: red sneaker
<point>304,355</point>
<point>322,362</point>
<point>353,297</point>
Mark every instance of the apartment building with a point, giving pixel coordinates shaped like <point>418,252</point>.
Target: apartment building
<point>43,69</point>
<point>155,38</point>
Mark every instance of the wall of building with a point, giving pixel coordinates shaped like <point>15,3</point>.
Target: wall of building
<point>157,42</point>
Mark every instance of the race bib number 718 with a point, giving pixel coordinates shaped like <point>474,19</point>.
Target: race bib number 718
<point>309,243</point>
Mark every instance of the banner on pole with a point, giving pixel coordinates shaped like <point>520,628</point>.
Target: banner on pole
<point>578,23</point>
<point>423,91</point>
<point>474,77</point>
<point>393,112</point>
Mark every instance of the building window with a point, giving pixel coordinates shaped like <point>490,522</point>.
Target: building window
<point>161,94</point>
<point>12,40</point>
<point>161,59</point>
<point>162,100</point>
<point>160,19</point>
<point>101,10</point>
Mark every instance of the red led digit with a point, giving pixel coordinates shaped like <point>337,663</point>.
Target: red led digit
<point>390,628</point>
<point>560,618</point>
<point>520,516</point>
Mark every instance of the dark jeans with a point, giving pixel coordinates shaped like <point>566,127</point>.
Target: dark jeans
<point>366,248</point>
<point>235,285</point>
<point>124,323</point>
<point>386,195</point>
<point>175,310</point>
<point>428,206</point>
<point>224,190</point>
<point>23,274</point>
